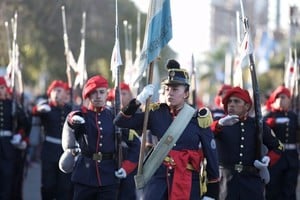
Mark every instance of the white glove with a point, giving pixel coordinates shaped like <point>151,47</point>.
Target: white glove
<point>121,173</point>
<point>229,120</point>
<point>146,93</point>
<point>66,162</point>
<point>16,139</point>
<point>74,151</point>
<point>22,145</point>
<point>43,108</point>
<point>76,119</point>
<point>17,142</point>
<point>207,198</point>
<point>263,168</point>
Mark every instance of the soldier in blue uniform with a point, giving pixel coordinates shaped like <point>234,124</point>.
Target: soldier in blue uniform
<point>242,175</point>
<point>14,127</point>
<point>130,150</point>
<point>178,176</point>
<point>90,131</point>
<point>283,121</point>
<point>218,110</point>
<point>55,184</point>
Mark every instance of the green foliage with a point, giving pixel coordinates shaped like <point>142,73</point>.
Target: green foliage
<point>40,35</point>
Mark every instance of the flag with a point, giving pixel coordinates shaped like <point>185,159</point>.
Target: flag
<point>289,72</point>
<point>246,46</point>
<point>13,69</point>
<point>237,73</point>
<point>71,60</point>
<point>158,33</point>
<point>128,53</point>
<point>81,73</point>
<point>116,60</point>
<point>266,47</point>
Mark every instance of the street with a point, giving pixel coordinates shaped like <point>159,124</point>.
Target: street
<point>32,183</point>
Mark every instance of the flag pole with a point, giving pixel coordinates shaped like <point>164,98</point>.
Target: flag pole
<point>146,117</point>
<point>158,33</point>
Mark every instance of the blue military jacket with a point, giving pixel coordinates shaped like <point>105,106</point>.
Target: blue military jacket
<point>7,120</point>
<point>286,132</point>
<point>99,136</point>
<point>53,122</point>
<point>193,137</point>
<point>236,144</point>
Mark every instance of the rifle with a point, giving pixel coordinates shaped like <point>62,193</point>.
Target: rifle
<point>194,83</point>
<point>294,84</point>
<point>80,70</point>
<point>118,130</point>
<point>67,52</point>
<point>255,88</point>
<point>14,64</point>
<point>295,89</point>
<point>82,49</point>
<point>116,53</point>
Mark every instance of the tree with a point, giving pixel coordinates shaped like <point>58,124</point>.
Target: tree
<point>40,35</point>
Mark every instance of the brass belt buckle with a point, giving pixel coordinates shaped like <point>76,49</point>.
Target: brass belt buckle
<point>238,168</point>
<point>97,156</point>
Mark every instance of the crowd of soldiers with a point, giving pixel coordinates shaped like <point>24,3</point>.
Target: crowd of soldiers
<point>207,152</point>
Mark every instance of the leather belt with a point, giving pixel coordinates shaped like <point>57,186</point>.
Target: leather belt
<point>5,133</point>
<point>241,168</point>
<point>53,140</point>
<point>99,156</point>
<point>290,146</point>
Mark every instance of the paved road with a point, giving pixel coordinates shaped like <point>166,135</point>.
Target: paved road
<point>32,183</point>
<point>31,190</point>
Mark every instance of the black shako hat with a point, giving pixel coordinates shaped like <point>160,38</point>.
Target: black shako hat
<point>176,76</point>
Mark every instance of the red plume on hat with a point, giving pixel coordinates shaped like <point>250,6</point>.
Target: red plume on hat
<point>237,92</point>
<point>93,83</point>
<point>55,84</point>
<point>279,90</point>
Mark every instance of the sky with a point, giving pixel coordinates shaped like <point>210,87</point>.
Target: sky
<point>188,18</point>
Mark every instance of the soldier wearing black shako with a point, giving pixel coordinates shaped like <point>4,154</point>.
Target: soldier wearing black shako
<point>184,138</point>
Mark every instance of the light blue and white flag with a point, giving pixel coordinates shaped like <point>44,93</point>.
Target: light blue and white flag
<point>158,33</point>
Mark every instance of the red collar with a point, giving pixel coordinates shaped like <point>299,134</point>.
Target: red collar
<point>174,111</point>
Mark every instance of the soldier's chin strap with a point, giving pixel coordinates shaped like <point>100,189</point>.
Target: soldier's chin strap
<point>165,144</point>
